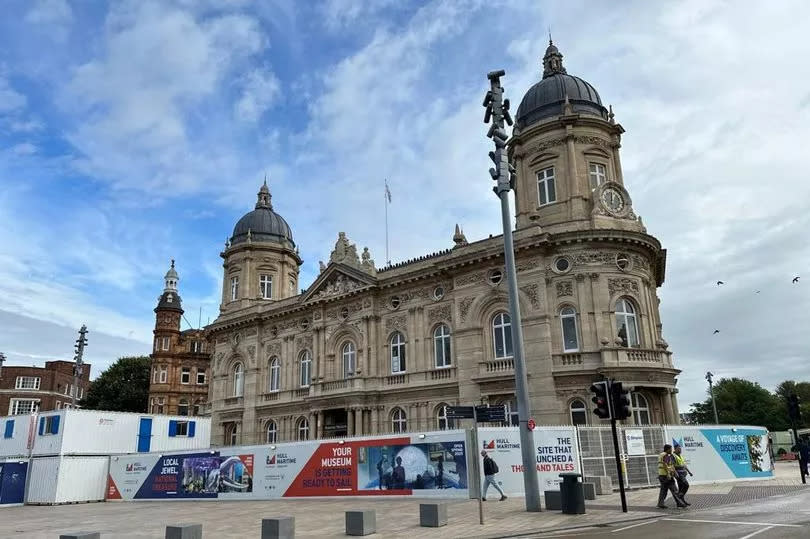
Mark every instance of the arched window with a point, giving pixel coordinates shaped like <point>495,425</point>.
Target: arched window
<point>502,335</point>
<point>641,410</point>
<point>397,353</point>
<point>275,375</point>
<point>627,323</point>
<point>399,421</point>
<point>579,414</point>
<point>441,346</point>
<point>303,429</point>
<point>349,354</point>
<point>238,380</point>
<point>272,432</point>
<point>568,321</point>
<point>305,369</point>
<point>182,407</point>
<point>441,417</point>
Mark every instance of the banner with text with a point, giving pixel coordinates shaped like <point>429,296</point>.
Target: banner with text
<point>722,453</point>
<point>555,452</point>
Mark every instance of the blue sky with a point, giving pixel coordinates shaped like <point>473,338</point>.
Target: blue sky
<point>140,131</point>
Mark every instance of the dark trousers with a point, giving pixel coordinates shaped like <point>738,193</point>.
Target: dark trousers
<point>667,485</point>
<point>683,484</point>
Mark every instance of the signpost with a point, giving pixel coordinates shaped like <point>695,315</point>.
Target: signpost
<point>479,414</point>
<point>613,402</point>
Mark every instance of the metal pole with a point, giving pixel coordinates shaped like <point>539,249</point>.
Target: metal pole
<point>618,463</point>
<point>387,260</point>
<point>2,360</point>
<point>81,342</point>
<point>799,449</point>
<point>477,468</point>
<point>498,111</point>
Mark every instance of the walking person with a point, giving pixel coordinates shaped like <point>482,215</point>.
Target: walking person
<point>490,469</point>
<point>681,470</point>
<point>666,476</point>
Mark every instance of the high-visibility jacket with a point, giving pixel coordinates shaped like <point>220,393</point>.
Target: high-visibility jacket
<point>680,462</point>
<point>666,464</point>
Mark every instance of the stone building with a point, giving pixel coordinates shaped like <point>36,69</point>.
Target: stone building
<point>180,359</point>
<point>365,350</point>
<point>26,389</point>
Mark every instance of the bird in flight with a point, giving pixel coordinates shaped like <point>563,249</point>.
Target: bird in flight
<point>720,282</point>
<point>757,291</point>
<point>716,331</point>
<point>796,279</point>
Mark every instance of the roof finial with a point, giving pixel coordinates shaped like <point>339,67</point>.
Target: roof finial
<point>611,115</point>
<point>550,42</point>
<point>264,196</point>
<point>172,262</point>
<point>552,61</point>
<point>458,238</point>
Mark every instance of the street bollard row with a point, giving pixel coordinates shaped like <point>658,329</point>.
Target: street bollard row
<point>361,522</point>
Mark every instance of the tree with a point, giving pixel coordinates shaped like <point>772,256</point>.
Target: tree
<point>801,390</point>
<point>743,402</point>
<point>123,387</point>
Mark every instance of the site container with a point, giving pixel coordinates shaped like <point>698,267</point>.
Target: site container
<point>91,432</point>
<point>57,480</point>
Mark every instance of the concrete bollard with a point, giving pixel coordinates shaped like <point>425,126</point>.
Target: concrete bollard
<point>603,484</point>
<point>589,489</point>
<point>361,522</point>
<point>278,528</point>
<point>184,531</point>
<point>81,535</point>
<point>553,500</point>
<point>432,515</point>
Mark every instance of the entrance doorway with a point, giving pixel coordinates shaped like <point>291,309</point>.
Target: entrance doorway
<point>335,423</point>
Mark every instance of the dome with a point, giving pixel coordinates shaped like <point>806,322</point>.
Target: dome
<point>262,224</point>
<point>546,99</point>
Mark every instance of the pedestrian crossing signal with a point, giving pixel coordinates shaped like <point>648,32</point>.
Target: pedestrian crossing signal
<point>600,399</point>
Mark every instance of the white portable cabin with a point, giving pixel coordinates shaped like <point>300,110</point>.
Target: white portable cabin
<point>15,431</point>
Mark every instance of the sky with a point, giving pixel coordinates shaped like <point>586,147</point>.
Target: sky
<point>139,131</point>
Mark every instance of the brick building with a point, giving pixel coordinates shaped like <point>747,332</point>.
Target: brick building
<point>24,389</point>
<point>179,378</point>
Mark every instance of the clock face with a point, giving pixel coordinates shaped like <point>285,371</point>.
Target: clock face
<point>613,200</point>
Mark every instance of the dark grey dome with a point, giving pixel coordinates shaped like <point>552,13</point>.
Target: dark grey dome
<point>169,301</point>
<point>547,98</point>
<point>262,224</point>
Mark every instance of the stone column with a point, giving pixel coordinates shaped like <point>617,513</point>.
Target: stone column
<point>667,398</point>
<point>375,425</point>
<point>358,421</point>
<point>617,164</point>
<point>313,432</point>
<point>676,413</point>
<point>316,353</point>
<point>320,424</point>
<point>350,421</point>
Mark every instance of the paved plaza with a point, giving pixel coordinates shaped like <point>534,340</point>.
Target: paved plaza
<point>399,517</point>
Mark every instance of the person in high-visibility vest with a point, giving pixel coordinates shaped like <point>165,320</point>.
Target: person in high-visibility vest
<point>666,476</point>
<point>681,469</point>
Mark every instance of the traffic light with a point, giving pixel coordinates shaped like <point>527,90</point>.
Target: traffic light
<point>793,408</point>
<point>600,399</point>
<point>620,399</point>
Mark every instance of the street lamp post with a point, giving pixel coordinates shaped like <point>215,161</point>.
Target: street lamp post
<point>78,368</point>
<point>711,392</point>
<point>497,111</point>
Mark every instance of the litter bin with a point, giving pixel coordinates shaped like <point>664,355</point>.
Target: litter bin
<point>572,494</point>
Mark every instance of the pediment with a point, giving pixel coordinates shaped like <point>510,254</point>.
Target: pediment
<point>337,280</point>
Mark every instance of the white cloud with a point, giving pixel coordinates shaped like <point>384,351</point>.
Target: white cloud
<point>24,148</point>
<point>50,12</point>
<point>10,99</point>
<point>260,89</point>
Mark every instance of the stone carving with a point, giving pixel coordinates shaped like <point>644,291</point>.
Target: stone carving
<point>218,360</point>
<point>597,141</point>
<point>565,288</point>
<point>287,324</point>
<point>470,278</point>
<point>546,144</point>
<point>236,337</point>
<point>526,265</point>
<point>345,252</point>
<point>366,303</point>
<point>331,314</point>
<point>273,349</point>
<point>464,307</point>
<point>640,262</point>
<point>303,342</point>
<point>439,314</point>
<point>622,285</point>
<point>359,326</point>
<point>532,293</point>
<point>592,258</point>
<point>340,285</point>
<point>251,352</point>
<point>316,315</point>
<point>395,322</point>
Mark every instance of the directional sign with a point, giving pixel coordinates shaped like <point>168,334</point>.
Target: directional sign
<point>490,414</point>
<point>460,412</point>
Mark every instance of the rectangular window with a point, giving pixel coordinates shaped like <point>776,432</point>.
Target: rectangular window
<point>185,375</point>
<point>200,377</point>
<point>164,375</point>
<point>266,286</point>
<point>164,343</point>
<point>27,382</point>
<point>569,329</point>
<point>234,288</point>
<point>49,425</point>
<point>154,375</point>
<point>161,401</point>
<point>546,192</point>
<point>178,428</point>
<point>23,406</point>
<point>598,174</point>
<point>196,347</point>
<point>58,405</point>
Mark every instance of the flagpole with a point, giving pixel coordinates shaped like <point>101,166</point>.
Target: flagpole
<point>387,260</point>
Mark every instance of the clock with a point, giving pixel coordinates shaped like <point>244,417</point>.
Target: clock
<point>612,200</point>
